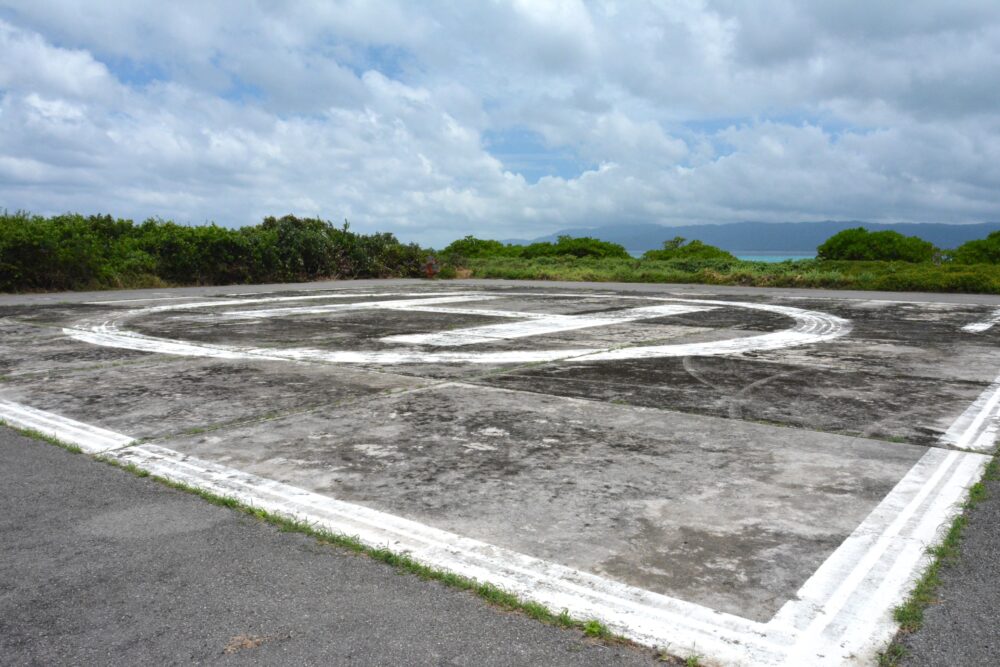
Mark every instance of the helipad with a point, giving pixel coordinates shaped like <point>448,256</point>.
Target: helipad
<point>752,477</point>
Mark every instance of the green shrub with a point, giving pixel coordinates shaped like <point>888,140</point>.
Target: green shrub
<point>76,252</point>
<point>860,244</point>
<point>675,248</point>
<point>568,246</point>
<point>980,251</point>
<point>866,275</point>
<point>463,251</point>
<point>470,246</point>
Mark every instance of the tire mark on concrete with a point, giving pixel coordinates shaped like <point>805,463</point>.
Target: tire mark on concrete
<point>737,400</point>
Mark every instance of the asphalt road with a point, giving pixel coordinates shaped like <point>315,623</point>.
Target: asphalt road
<point>963,629</point>
<point>98,566</point>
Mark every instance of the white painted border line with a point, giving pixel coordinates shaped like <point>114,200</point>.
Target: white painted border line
<point>984,325</point>
<point>977,428</point>
<point>647,617</point>
<point>91,439</point>
<point>843,613</point>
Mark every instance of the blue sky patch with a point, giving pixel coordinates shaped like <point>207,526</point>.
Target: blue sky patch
<point>524,152</point>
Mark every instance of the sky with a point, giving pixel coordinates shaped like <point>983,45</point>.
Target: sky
<point>502,119</point>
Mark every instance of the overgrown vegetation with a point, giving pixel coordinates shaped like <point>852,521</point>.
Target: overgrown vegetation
<point>886,246</point>
<point>888,276</point>
<point>70,252</point>
<point>676,248</point>
<point>461,252</point>
<point>853,259</point>
<point>980,251</point>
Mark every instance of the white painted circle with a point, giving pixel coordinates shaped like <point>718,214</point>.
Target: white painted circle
<point>808,327</point>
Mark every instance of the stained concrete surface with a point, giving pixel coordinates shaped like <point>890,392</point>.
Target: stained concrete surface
<point>100,567</point>
<point>707,510</point>
<point>653,472</point>
<point>165,397</point>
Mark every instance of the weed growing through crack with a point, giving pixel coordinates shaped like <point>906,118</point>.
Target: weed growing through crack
<point>38,435</point>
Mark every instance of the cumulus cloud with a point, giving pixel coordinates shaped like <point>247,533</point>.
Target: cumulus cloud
<point>387,113</point>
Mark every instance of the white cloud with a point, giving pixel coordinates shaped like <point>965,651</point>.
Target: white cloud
<point>379,111</point>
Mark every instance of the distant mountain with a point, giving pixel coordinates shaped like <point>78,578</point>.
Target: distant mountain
<point>768,237</point>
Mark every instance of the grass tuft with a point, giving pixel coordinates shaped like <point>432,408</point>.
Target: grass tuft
<point>892,655</point>
<point>910,614</point>
<point>38,435</point>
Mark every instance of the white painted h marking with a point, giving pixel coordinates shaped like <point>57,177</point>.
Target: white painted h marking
<point>538,324</point>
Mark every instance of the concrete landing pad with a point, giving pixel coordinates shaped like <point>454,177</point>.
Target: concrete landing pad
<point>699,508</point>
<point>750,477</point>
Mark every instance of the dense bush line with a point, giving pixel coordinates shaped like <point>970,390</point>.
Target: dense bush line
<point>676,248</point>
<point>980,251</point>
<point>861,245</point>
<point>77,252</point>
<point>850,245</point>
<point>852,259</point>
<point>861,275</point>
<point>67,252</point>
<point>459,252</point>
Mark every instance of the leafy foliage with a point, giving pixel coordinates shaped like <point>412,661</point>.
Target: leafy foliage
<point>889,276</point>
<point>676,248</point>
<point>906,265</point>
<point>888,246</point>
<point>460,252</point>
<point>980,251</point>
<point>76,252</point>
<point>470,246</point>
<point>568,246</point>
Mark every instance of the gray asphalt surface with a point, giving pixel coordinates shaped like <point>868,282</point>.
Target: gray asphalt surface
<point>98,566</point>
<point>964,627</point>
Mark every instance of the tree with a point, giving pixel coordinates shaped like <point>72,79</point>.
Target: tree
<point>676,248</point>
<point>859,244</point>
<point>980,251</point>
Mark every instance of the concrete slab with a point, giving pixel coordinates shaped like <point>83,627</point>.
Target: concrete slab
<point>156,399</point>
<point>731,515</point>
<point>748,474</point>
<point>27,348</point>
<point>916,409</point>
